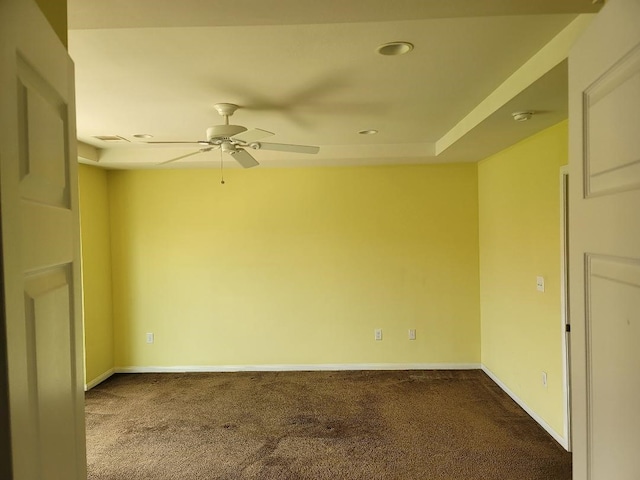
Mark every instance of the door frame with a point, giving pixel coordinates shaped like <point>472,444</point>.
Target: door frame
<point>5,430</point>
<point>564,303</point>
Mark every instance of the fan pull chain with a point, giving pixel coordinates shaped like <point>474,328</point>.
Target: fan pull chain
<point>221,171</point>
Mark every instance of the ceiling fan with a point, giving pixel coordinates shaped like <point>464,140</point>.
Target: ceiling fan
<point>235,140</point>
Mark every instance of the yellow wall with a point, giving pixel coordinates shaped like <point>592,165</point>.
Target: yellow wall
<point>96,271</point>
<point>295,266</point>
<point>299,266</point>
<point>519,232</point>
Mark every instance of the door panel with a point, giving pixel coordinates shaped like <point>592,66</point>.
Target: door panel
<point>613,336</point>
<point>40,239</point>
<point>604,226</point>
<point>42,130</point>
<point>48,313</point>
<point>612,151</point>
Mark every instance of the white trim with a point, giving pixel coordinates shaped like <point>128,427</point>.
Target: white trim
<point>301,367</point>
<point>557,437</point>
<point>564,307</point>
<point>99,379</point>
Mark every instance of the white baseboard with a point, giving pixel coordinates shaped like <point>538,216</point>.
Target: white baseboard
<point>301,367</point>
<point>99,379</point>
<point>557,437</point>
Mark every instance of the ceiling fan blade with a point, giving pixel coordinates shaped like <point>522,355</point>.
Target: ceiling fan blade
<point>283,147</point>
<point>252,135</point>
<point>202,150</point>
<point>244,158</point>
<point>190,143</point>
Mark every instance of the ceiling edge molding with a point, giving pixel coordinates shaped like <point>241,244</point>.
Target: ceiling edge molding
<point>331,154</point>
<point>88,153</point>
<point>98,14</point>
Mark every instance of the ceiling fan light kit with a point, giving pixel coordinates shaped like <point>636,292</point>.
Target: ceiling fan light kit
<point>234,139</point>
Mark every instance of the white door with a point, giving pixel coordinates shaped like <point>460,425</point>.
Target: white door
<point>40,243</point>
<point>604,223</point>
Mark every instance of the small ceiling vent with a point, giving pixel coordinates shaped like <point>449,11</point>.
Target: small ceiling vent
<point>522,116</point>
<point>111,138</point>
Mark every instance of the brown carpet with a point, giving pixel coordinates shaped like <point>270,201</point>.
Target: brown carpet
<point>404,425</point>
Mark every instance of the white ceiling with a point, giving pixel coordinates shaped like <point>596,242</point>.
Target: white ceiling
<point>309,71</point>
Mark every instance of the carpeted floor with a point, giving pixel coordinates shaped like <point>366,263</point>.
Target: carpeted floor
<point>405,425</point>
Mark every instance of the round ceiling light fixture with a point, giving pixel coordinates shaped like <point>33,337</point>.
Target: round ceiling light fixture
<point>395,48</point>
<point>368,132</point>
<point>522,116</point>
<point>143,135</point>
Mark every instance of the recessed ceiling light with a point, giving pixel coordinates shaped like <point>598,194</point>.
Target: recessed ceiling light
<point>143,135</point>
<point>395,48</point>
<point>368,132</point>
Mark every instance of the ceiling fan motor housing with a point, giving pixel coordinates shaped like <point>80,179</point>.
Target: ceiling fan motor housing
<point>221,132</point>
